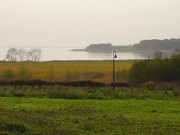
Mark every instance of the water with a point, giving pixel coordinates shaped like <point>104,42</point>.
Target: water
<point>49,54</point>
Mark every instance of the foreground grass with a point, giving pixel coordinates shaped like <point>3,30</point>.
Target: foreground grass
<point>61,116</point>
<point>71,92</point>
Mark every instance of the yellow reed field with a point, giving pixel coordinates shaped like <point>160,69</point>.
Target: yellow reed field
<point>65,70</point>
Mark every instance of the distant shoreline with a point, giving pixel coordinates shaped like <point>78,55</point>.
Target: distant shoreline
<point>144,46</point>
<point>104,48</point>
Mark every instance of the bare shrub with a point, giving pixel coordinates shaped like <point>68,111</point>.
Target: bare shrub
<point>14,54</point>
<point>21,55</point>
<point>34,55</point>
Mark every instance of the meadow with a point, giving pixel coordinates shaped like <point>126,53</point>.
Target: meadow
<point>62,116</point>
<point>148,108</point>
<point>56,109</point>
<point>100,71</point>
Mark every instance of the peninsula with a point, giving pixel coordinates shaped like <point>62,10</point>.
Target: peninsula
<point>105,47</point>
<point>144,46</point>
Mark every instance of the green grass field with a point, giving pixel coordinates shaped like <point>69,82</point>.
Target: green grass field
<point>56,109</point>
<point>61,116</point>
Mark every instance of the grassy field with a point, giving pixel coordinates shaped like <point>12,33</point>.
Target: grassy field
<point>100,71</point>
<point>61,116</point>
<point>71,92</point>
<point>88,110</point>
<point>56,109</point>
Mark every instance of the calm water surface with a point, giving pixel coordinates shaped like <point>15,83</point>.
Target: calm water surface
<point>49,54</point>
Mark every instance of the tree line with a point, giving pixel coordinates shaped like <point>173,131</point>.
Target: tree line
<point>166,44</point>
<point>157,69</point>
<point>15,55</point>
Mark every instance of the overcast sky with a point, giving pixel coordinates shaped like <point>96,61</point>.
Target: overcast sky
<point>78,23</point>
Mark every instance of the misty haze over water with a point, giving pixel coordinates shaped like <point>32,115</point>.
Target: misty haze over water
<point>49,54</point>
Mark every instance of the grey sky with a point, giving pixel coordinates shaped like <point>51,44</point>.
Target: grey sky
<point>74,23</point>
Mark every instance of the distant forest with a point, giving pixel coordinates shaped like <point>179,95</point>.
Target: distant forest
<point>163,45</point>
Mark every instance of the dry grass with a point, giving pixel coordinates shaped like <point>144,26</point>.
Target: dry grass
<point>100,71</point>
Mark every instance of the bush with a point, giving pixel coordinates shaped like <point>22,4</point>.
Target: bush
<point>14,127</point>
<point>156,70</point>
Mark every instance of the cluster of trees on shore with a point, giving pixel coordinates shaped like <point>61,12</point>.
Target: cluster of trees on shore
<point>166,44</point>
<point>99,47</point>
<point>157,69</point>
<point>147,46</point>
<point>14,54</point>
